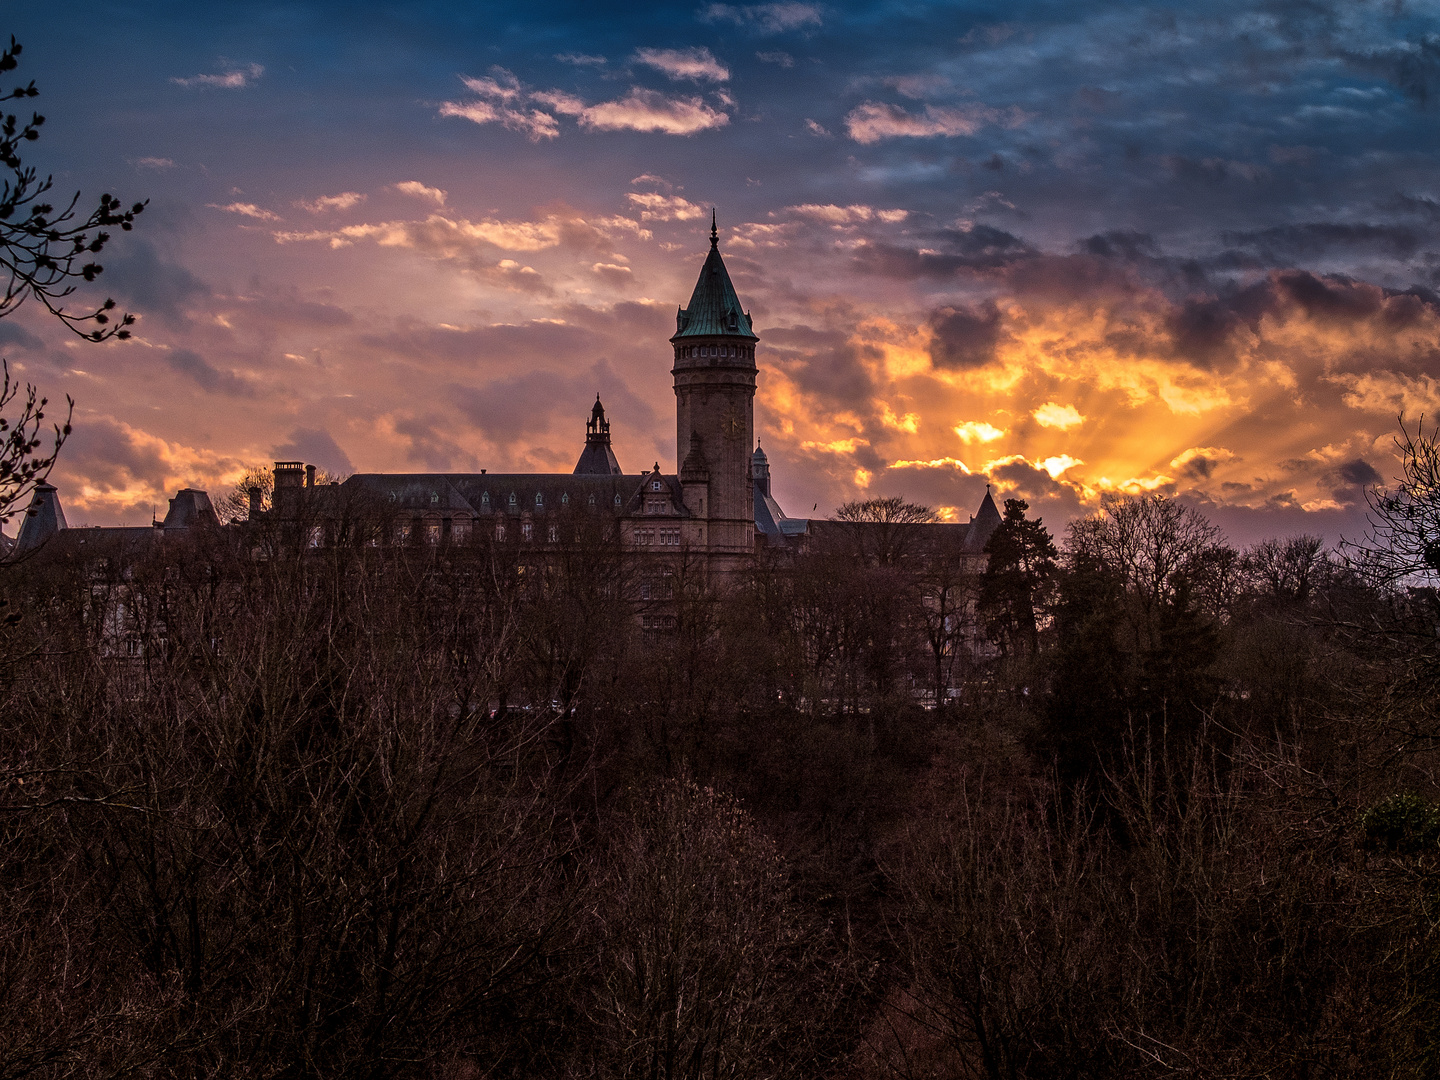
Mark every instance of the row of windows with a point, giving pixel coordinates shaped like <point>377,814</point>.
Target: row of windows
<point>514,500</point>
<point>433,531</point>
<point>692,352</point>
<point>657,622</point>
<point>662,589</point>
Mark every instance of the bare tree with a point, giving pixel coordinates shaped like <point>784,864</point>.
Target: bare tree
<point>882,528</point>
<point>706,969</point>
<point>1404,539</point>
<point>45,249</point>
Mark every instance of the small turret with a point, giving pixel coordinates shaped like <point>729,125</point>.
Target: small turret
<point>760,470</point>
<point>597,459</point>
<point>42,519</point>
<point>986,520</point>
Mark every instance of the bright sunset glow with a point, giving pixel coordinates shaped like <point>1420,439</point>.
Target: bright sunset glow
<point>1064,253</point>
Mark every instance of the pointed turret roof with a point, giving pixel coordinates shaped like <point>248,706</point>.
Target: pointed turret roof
<point>986,520</point>
<point>714,308</point>
<point>597,459</point>
<point>42,519</point>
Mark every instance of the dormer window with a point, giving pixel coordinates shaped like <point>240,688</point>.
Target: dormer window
<point>512,498</point>
<point>539,499</point>
<point>485,499</point>
<point>617,500</point>
<point>565,498</point>
<point>434,496</point>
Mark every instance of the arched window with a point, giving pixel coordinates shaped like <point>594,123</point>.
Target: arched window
<point>565,498</point>
<point>485,499</point>
<point>617,500</point>
<point>539,499</point>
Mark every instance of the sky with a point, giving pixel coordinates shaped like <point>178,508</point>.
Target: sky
<point>1066,250</point>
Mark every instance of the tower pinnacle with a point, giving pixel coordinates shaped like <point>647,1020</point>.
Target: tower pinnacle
<point>714,232</point>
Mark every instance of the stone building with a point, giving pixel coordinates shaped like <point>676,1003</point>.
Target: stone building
<point>715,508</point>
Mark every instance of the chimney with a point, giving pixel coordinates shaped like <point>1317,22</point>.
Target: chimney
<point>309,476</point>
<point>254,494</point>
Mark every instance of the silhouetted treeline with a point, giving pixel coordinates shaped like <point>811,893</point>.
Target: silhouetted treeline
<point>1132,803</point>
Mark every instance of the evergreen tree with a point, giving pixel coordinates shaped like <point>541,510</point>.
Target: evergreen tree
<point>1018,581</point>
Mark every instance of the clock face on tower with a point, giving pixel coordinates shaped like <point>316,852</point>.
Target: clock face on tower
<point>733,425</point>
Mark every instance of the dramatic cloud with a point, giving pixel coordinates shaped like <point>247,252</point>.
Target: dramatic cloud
<point>234,79</point>
<point>978,431</point>
<point>1199,462</point>
<point>697,64</point>
<point>247,209</point>
<point>501,99</point>
<point>784,59</point>
<point>964,337</point>
<point>648,110</point>
<point>846,215</point>
<point>317,448</point>
<point>417,190</point>
<point>665,207</point>
<point>1060,417</point>
<point>1086,250</point>
<point>768,18</point>
<point>344,201</point>
<point>871,121</point>
<point>440,237</point>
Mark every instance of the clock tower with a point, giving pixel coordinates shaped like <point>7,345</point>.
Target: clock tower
<point>714,408</point>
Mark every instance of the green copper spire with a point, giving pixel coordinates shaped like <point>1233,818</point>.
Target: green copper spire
<point>714,309</point>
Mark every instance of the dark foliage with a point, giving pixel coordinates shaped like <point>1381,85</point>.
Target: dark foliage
<point>383,807</point>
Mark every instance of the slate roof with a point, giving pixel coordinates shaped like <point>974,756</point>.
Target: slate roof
<point>769,518</point>
<point>597,458</point>
<point>714,308</point>
<point>189,508</point>
<point>483,494</point>
<point>42,519</point>
<point>986,520</point>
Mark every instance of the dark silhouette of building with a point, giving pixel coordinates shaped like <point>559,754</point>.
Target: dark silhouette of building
<point>718,504</point>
